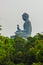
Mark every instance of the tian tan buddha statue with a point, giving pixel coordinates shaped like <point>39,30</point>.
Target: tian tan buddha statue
<point>26,32</point>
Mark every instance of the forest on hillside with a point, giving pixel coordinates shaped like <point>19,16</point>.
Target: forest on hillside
<point>19,51</point>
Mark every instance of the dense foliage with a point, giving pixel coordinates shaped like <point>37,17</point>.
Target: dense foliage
<point>19,51</point>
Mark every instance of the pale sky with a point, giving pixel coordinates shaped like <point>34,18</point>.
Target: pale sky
<point>11,14</point>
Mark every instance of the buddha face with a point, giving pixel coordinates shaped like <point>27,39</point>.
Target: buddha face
<point>25,16</point>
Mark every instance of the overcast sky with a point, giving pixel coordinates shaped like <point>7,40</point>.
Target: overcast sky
<point>11,14</point>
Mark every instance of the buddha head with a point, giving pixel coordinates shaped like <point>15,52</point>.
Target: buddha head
<point>25,16</point>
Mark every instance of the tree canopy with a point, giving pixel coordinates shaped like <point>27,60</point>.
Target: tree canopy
<point>19,51</point>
